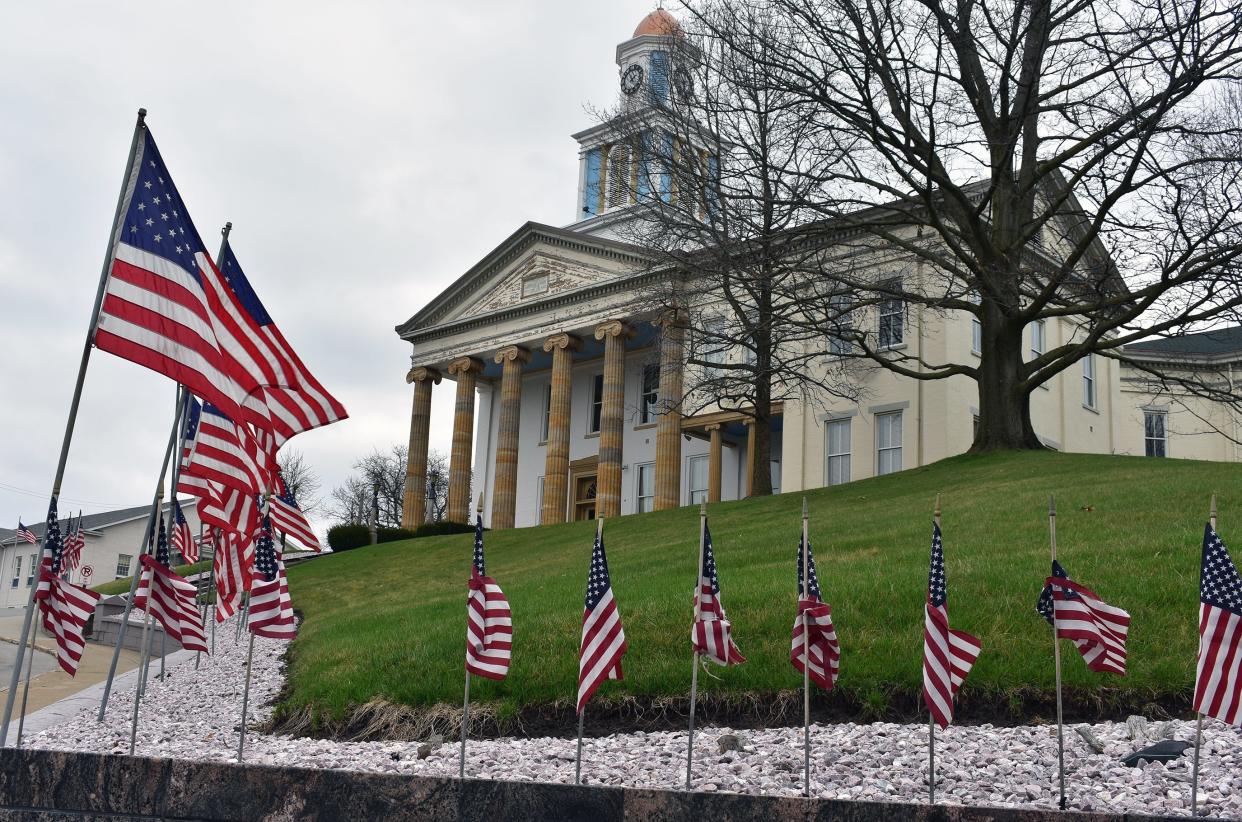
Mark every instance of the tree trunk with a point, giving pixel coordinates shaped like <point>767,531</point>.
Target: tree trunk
<point>1004,405</point>
<point>761,464</point>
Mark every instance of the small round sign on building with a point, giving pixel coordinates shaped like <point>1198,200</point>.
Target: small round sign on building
<point>87,571</point>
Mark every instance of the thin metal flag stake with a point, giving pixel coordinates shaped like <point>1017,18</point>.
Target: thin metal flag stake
<point>241,741</point>
<point>28,619</point>
<point>599,532</point>
<point>212,593</point>
<point>203,609</point>
<point>182,400</point>
<point>694,663</point>
<point>1056,654</point>
<point>931,719</point>
<point>465,705</point>
<point>21,717</point>
<point>806,660</point>
<point>1194,777</point>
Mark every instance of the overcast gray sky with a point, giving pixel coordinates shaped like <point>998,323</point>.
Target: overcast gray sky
<point>366,153</point>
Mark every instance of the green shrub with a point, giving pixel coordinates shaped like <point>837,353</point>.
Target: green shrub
<point>394,534</point>
<point>435,529</point>
<point>348,537</point>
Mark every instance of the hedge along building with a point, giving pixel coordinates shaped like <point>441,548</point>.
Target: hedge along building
<point>569,383</point>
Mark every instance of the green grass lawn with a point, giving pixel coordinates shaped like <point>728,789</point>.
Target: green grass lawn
<point>121,586</point>
<point>388,622</point>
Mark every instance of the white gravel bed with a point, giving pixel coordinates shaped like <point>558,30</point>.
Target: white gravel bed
<point>196,714</point>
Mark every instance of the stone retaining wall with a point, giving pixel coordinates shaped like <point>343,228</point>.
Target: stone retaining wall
<point>37,786</point>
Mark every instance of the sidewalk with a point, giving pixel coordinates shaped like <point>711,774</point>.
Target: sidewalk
<point>54,685</point>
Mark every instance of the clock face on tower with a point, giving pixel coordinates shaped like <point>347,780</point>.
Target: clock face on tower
<point>631,78</point>
<point>682,82</point>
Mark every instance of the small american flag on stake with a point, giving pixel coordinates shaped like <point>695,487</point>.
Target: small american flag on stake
<point>75,541</point>
<point>489,623</point>
<point>1218,674</point>
<point>65,607</point>
<point>948,655</point>
<point>1098,629</point>
<point>170,599</point>
<point>825,651</point>
<point>183,537</point>
<point>603,639</point>
<point>288,517</point>
<point>712,633</point>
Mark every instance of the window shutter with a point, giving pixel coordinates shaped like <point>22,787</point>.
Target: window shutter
<point>590,189</point>
<point>713,185</point>
<point>659,77</point>
<point>643,186</point>
<point>666,167</point>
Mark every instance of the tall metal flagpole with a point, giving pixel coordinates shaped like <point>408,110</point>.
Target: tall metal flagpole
<point>202,611</point>
<point>1194,778</point>
<point>145,655</point>
<point>465,706</point>
<point>73,412</point>
<point>931,720</point>
<point>694,664</point>
<point>1056,653</point>
<point>806,658</point>
<point>599,531</point>
<point>241,741</point>
<point>142,549</point>
<point>212,593</point>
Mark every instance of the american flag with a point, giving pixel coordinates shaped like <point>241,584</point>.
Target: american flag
<point>233,511</point>
<point>489,624</point>
<point>288,517</point>
<point>947,654</point>
<point>603,639</point>
<point>171,600</point>
<point>157,309</point>
<point>293,399</point>
<point>75,541</point>
<point>231,564</point>
<point>821,636</point>
<point>64,607</point>
<point>183,537</point>
<point>25,534</point>
<point>712,634</point>
<point>1098,629</point>
<point>271,610</point>
<point>1218,675</point>
<point>186,481</point>
<point>225,454</point>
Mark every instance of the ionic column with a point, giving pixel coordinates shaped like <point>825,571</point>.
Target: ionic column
<point>466,370</point>
<point>414,499</point>
<point>713,465</point>
<point>611,419</point>
<point>668,427</point>
<point>504,493</point>
<point>556,468</point>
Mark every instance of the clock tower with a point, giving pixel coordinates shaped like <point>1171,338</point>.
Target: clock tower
<point>617,165</point>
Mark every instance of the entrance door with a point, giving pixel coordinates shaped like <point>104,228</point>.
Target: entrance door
<point>584,497</point>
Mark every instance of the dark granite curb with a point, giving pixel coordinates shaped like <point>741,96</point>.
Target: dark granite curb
<point>37,786</point>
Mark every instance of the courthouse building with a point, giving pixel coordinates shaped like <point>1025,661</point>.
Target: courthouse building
<point>567,383</point>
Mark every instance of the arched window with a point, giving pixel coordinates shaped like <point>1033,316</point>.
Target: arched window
<point>619,163</point>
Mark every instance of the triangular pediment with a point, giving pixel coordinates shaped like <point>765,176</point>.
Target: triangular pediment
<point>534,264</point>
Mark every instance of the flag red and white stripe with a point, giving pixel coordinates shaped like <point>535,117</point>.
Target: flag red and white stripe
<point>489,623</point>
<point>1218,672</point>
<point>225,454</point>
<point>603,639</point>
<point>712,633</point>
<point>813,630</point>
<point>233,559</point>
<point>172,601</point>
<point>75,541</point>
<point>1099,630</point>
<point>288,518</point>
<point>65,610</point>
<point>948,655</point>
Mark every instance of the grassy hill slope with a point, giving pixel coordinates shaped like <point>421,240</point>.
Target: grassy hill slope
<point>388,623</point>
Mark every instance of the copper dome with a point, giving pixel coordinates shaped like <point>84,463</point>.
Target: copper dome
<point>659,23</point>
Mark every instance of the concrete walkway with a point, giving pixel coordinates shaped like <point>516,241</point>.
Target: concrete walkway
<point>51,684</point>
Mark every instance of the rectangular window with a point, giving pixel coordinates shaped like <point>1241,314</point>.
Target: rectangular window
<point>1155,433</point>
<point>122,565</point>
<point>645,487</point>
<point>775,470</point>
<point>17,570</point>
<point>892,316</point>
<point>547,414</point>
<point>888,443</point>
<point>1088,381</point>
<point>696,484</point>
<point>30,572</point>
<point>842,324</point>
<point>976,327</point>
<point>713,348</point>
<point>597,403</point>
<point>1039,339</point>
<point>838,434</point>
<point>650,393</point>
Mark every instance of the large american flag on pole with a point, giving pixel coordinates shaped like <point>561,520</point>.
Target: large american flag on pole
<point>1218,674</point>
<point>157,309</point>
<point>25,534</point>
<point>232,560</point>
<point>271,609</point>
<point>64,607</point>
<point>489,623</point>
<point>947,654</point>
<point>712,634</point>
<point>1099,630</point>
<point>288,517</point>
<point>225,454</point>
<point>821,636</point>
<point>170,599</point>
<point>603,639</point>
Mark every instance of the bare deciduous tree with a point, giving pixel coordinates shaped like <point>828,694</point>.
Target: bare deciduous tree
<point>300,478</point>
<point>381,476</point>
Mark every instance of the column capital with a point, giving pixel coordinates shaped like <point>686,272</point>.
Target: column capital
<point>465,365</point>
<point>421,373</point>
<point>675,317</point>
<point>512,353</point>
<point>613,328</point>
<point>715,426</point>
<point>567,342</point>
